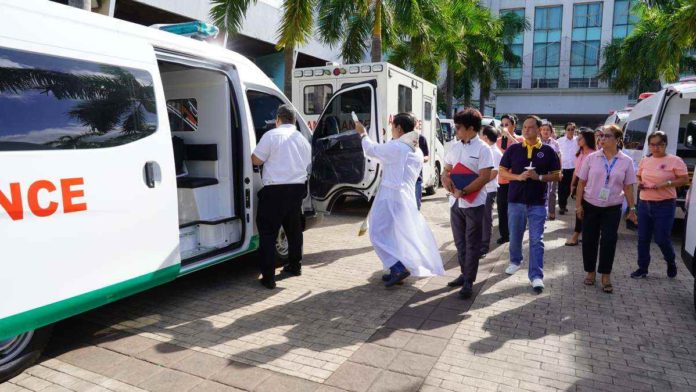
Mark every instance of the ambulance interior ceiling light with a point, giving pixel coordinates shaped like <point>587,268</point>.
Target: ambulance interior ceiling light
<point>196,29</point>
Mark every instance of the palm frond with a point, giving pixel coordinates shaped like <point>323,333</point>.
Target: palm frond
<point>229,14</point>
<point>296,24</point>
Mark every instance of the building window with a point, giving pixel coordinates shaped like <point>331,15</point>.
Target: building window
<point>513,75</point>
<point>405,103</point>
<point>547,47</point>
<point>586,43</point>
<point>624,18</point>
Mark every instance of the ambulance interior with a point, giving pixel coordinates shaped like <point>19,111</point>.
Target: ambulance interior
<point>204,137</point>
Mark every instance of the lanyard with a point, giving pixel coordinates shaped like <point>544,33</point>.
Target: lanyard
<point>608,167</point>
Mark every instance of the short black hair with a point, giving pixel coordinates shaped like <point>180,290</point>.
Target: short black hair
<point>286,114</point>
<point>490,132</point>
<point>469,117</point>
<point>661,135</point>
<point>406,121</point>
<point>509,116</point>
<point>535,118</point>
<point>568,125</point>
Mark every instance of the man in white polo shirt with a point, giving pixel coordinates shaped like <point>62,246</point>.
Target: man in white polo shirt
<point>468,167</point>
<point>569,146</point>
<point>285,155</point>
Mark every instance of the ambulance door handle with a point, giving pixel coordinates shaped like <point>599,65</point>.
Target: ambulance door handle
<point>150,174</point>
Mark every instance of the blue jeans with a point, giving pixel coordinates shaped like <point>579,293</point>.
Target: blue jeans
<point>518,215</point>
<point>655,220</point>
<point>419,192</point>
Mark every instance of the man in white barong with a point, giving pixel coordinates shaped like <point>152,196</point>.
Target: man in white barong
<point>398,232</point>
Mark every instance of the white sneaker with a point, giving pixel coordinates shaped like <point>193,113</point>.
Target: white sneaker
<point>511,269</point>
<point>538,284</point>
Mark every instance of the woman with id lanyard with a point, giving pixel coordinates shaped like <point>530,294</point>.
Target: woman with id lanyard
<point>605,179</point>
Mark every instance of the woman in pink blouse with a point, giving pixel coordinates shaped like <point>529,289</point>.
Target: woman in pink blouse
<point>586,142</point>
<point>606,178</point>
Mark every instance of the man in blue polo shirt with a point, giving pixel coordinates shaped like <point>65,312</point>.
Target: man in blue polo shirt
<point>529,166</point>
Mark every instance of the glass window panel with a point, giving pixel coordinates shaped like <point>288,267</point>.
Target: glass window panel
<point>539,55</point>
<point>620,12</point>
<point>517,50</point>
<point>591,71</point>
<point>580,15</point>
<point>551,72</point>
<point>592,53</point>
<point>629,30</point>
<point>555,17</point>
<point>576,72</point>
<point>540,36</point>
<point>594,33</point>
<point>515,73</point>
<point>577,53</point>
<point>619,32</point>
<point>553,55</point>
<point>538,72</point>
<point>554,36</point>
<point>579,34</point>
<point>540,18</point>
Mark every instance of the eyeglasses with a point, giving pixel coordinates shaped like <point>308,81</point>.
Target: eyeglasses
<point>656,145</point>
<point>605,136</point>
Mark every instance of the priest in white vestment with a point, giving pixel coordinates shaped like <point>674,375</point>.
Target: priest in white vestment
<point>398,231</point>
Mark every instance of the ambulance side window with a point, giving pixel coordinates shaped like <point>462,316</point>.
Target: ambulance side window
<point>337,118</point>
<point>636,132</point>
<point>263,111</point>
<point>316,97</point>
<point>405,103</point>
<point>55,103</point>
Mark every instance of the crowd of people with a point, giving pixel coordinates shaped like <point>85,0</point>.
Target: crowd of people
<point>527,177</point>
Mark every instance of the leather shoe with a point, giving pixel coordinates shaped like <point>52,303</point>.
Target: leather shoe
<point>386,277</point>
<point>501,241</point>
<point>268,283</point>
<point>457,282</point>
<point>294,270</point>
<point>467,290</point>
<point>397,278</point>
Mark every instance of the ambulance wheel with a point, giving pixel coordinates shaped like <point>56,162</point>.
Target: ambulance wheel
<point>19,352</point>
<point>281,248</point>
<point>429,191</point>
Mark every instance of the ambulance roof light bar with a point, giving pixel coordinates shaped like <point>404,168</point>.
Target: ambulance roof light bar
<point>197,29</point>
<point>338,70</point>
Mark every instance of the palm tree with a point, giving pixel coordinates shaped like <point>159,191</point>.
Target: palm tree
<point>658,47</point>
<point>295,27</point>
<point>353,23</point>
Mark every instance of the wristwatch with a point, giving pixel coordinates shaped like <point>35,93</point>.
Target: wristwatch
<point>669,182</point>
<point>634,209</point>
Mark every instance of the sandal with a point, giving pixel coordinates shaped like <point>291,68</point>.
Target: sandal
<point>552,217</point>
<point>589,282</point>
<point>571,244</point>
<point>607,288</point>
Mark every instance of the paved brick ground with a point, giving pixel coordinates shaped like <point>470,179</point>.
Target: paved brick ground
<point>336,328</point>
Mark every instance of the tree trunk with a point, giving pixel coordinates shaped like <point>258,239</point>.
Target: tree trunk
<point>376,51</point>
<point>289,54</point>
<point>83,4</point>
<point>449,93</point>
<point>483,95</point>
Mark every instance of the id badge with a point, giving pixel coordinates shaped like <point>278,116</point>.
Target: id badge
<point>604,194</point>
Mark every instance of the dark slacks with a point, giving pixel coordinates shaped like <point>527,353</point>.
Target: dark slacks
<point>502,202</point>
<point>280,205</point>
<point>487,222</point>
<point>600,231</point>
<point>564,188</point>
<point>467,231</point>
<point>655,221</point>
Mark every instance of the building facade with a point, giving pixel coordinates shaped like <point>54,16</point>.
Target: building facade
<point>561,55</point>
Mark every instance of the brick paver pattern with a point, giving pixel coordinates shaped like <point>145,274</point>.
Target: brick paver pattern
<point>336,327</point>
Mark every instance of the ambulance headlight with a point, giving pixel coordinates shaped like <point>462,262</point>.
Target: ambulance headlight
<point>307,72</point>
<point>377,68</point>
<point>297,73</point>
<point>353,69</point>
<point>365,68</point>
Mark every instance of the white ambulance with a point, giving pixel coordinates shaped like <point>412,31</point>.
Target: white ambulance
<point>375,92</point>
<point>125,161</point>
<point>673,111</point>
<point>688,248</point>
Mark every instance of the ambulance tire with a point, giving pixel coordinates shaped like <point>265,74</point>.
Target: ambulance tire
<point>281,248</point>
<point>23,352</point>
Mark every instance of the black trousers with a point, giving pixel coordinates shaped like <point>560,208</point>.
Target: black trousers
<point>279,205</point>
<point>564,188</point>
<point>467,227</point>
<point>502,202</point>
<point>600,231</point>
